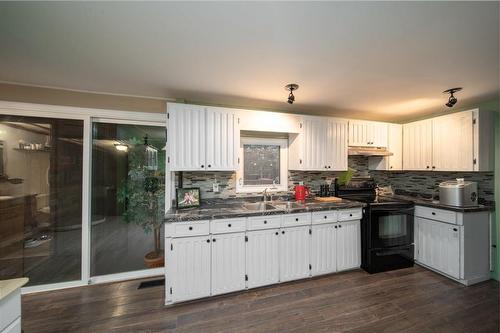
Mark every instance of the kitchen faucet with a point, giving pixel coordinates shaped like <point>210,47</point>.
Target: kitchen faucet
<point>266,191</point>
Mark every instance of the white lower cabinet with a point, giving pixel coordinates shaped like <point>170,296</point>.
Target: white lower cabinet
<point>205,258</point>
<point>294,253</point>
<point>228,263</point>
<point>189,268</point>
<point>323,249</point>
<point>348,245</point>
<point>262,257</point>
<point>438,245</point>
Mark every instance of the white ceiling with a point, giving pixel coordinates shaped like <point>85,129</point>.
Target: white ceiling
<point>387,61</point>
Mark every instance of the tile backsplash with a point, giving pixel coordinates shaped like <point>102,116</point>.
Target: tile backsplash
<point>421,182</point>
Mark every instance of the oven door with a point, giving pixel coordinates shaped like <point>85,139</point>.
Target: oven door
<point>390,227</point>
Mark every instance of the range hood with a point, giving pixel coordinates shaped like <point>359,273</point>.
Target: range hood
<point>369,151</point>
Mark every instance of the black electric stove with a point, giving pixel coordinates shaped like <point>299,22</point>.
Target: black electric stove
<point>386,229</point>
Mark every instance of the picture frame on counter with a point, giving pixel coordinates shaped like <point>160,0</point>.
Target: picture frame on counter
<point>187,197</point>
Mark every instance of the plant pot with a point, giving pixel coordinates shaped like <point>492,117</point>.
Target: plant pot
<point>154,259</point>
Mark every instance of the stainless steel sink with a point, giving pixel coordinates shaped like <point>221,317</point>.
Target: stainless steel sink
<point>258,206</point>
<point>288,204</point>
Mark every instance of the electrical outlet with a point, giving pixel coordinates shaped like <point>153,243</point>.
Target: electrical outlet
<point>215,187</point>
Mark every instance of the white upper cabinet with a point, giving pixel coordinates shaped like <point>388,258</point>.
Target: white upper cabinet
<point>461,141</point>
<point>452,137</point>
<point>223,139</point>
<point>202,138</point>
<point>186,137</point>
<point>367,133</point>
<point>395,146</point>
<point>417,145</point>
<point>321,145</point>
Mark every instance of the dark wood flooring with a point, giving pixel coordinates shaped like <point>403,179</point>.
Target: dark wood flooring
<point>409,300</point>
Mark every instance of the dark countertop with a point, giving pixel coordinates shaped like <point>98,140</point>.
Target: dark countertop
<point>231,208</point>
<point>428,202</point>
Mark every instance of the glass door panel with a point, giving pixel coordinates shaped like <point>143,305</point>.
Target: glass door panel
<point>128,188</point>
<point>41,168</point>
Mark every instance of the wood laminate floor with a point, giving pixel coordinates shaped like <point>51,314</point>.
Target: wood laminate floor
<point>408,300</point>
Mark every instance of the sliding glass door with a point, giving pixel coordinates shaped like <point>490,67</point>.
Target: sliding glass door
<point>127,198</point>
<point>41,167</point>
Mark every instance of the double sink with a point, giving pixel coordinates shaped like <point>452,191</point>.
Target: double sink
<point>273,205</point>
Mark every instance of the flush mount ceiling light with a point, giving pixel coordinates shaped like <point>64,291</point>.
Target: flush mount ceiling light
<point>291,88</point>
<point>452,100</point>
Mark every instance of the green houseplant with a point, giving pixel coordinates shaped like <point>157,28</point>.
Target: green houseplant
<point>142,194</point>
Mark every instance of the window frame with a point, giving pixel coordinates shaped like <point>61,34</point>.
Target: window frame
<point>283,186</point>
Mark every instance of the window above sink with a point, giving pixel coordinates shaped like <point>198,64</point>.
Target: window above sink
<point>264,165</point>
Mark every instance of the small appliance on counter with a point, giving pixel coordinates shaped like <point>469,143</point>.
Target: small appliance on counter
<point>301,192</point>
<point>458,193</point>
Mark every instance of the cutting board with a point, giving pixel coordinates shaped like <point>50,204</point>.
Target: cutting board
<point>328,199</point>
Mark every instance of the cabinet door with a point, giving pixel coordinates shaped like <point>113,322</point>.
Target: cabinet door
<point>314,137</point>
<point>336,144</point>
<point>228,263</point>
<point>222,139</point>
<point>367,134</point>
<point>438,245</point>
<point>395,146</point>
<point>294,253</point>
<point>417,145</point>
<point>262,257</point>
<point>323,249</point>
<point>190,268</point>
<point>348,245</point>
<point>186,137</point>
<point>452,142</point>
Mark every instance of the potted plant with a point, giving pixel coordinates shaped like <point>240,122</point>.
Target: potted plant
<point>143,195</point>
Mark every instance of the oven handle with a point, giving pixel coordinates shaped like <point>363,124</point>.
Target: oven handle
<point>408,211</point>
<point>388,253</point>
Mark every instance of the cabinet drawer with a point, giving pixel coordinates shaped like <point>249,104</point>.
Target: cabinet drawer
<point>264,222</point>
<point>327,216</point>
<point>227,225</point>
<point>186,229</point>
<point>291,220</point>
<point>350,214</point>
<point>442,215</point>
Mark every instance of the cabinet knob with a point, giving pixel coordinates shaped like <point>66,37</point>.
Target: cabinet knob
<point>229,225</point>
<point>283,232</point>
<point>433,167</point>
<point>340,225</point>
<point>265,222</point>
<point>325,217</point>
<point>190,228</point>
<point>297,219</point>
<point>455,229</point>
<point>350,215</point>
<point>335,227</point>
<point>329,167</point>
<point>427,167</point>
<point>209,166</point>
<point>276,233</point>
<point>202,166</point>
<point>390,167</point>
<point>326,167</point>
<point>208,240</point>
<point>433,213</point>
<point>213,240</point>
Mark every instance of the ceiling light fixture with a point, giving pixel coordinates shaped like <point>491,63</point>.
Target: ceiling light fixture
<point>291,87</point>
<point>121,147</point>
<point>452,100</point>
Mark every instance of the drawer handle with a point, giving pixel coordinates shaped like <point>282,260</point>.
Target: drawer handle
<point>433,213</point>
<point>297,219</point>
<point>190,228</point>
<point>229,225</point>
<point>265,222</point>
